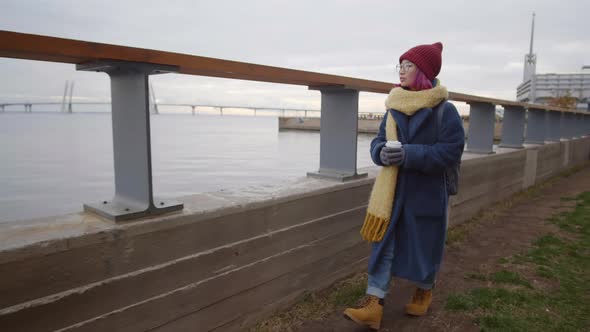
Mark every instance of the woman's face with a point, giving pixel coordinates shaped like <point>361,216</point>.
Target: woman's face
<point>407,73</point>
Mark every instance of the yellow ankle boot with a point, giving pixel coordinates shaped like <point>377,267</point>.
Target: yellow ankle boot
<point>420,302</point>
<point>369,314</point>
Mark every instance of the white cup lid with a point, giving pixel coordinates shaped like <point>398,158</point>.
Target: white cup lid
<point>393,144</point>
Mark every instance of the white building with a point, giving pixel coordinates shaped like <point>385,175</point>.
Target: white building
<point>540,88</point>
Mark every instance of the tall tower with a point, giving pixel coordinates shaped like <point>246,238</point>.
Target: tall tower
<point>154,106</point>
<point>530,64</point>
<point>63,102</point>
<point>71,94</point>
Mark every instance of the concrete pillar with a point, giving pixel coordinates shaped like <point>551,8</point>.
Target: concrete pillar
<point>554,126</point>
<point>131,142</point>
<point>536,129</point>
<point>338,134</point>
<point>482,118</point>
<point>193,110</point>
<point>513,127</point>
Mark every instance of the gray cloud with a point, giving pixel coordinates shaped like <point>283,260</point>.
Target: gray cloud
<point>485,43</point>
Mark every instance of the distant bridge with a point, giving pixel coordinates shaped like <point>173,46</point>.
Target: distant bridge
<point>28,107</point>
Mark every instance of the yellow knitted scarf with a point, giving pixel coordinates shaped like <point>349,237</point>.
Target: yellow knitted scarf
<point>383,193</point>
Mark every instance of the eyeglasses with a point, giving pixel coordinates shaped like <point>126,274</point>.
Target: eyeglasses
<point>406,67</point>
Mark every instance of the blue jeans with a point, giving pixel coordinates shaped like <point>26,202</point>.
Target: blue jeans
<point>380,278</point>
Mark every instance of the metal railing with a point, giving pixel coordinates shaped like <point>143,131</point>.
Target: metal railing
<point>129,69</point>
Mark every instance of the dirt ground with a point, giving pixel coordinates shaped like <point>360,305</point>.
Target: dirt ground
<point>508,229</point>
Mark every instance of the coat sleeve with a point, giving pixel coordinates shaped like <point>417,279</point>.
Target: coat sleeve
<point>445,152</point>
<point>379,142</point>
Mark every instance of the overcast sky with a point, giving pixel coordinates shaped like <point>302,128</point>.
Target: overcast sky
<point>484,43</point>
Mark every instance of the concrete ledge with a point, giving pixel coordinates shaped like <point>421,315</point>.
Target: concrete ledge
<point>204,267</point>
<point>125,290</point>
<point>365,126</point>
<point>60,264</point>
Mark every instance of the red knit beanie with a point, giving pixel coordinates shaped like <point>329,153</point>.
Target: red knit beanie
<point>426,57</point>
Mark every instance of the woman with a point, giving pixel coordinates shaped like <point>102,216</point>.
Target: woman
<point>407,214</point>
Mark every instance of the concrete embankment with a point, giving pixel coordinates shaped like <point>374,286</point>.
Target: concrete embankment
<point>230,257</point>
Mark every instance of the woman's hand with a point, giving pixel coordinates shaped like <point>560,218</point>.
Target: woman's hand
<point>392,156</point>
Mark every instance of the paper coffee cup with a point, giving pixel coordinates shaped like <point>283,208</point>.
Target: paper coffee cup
<point>393,144</point>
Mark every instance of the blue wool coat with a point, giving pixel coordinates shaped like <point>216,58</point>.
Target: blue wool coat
<point>418,220</point>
